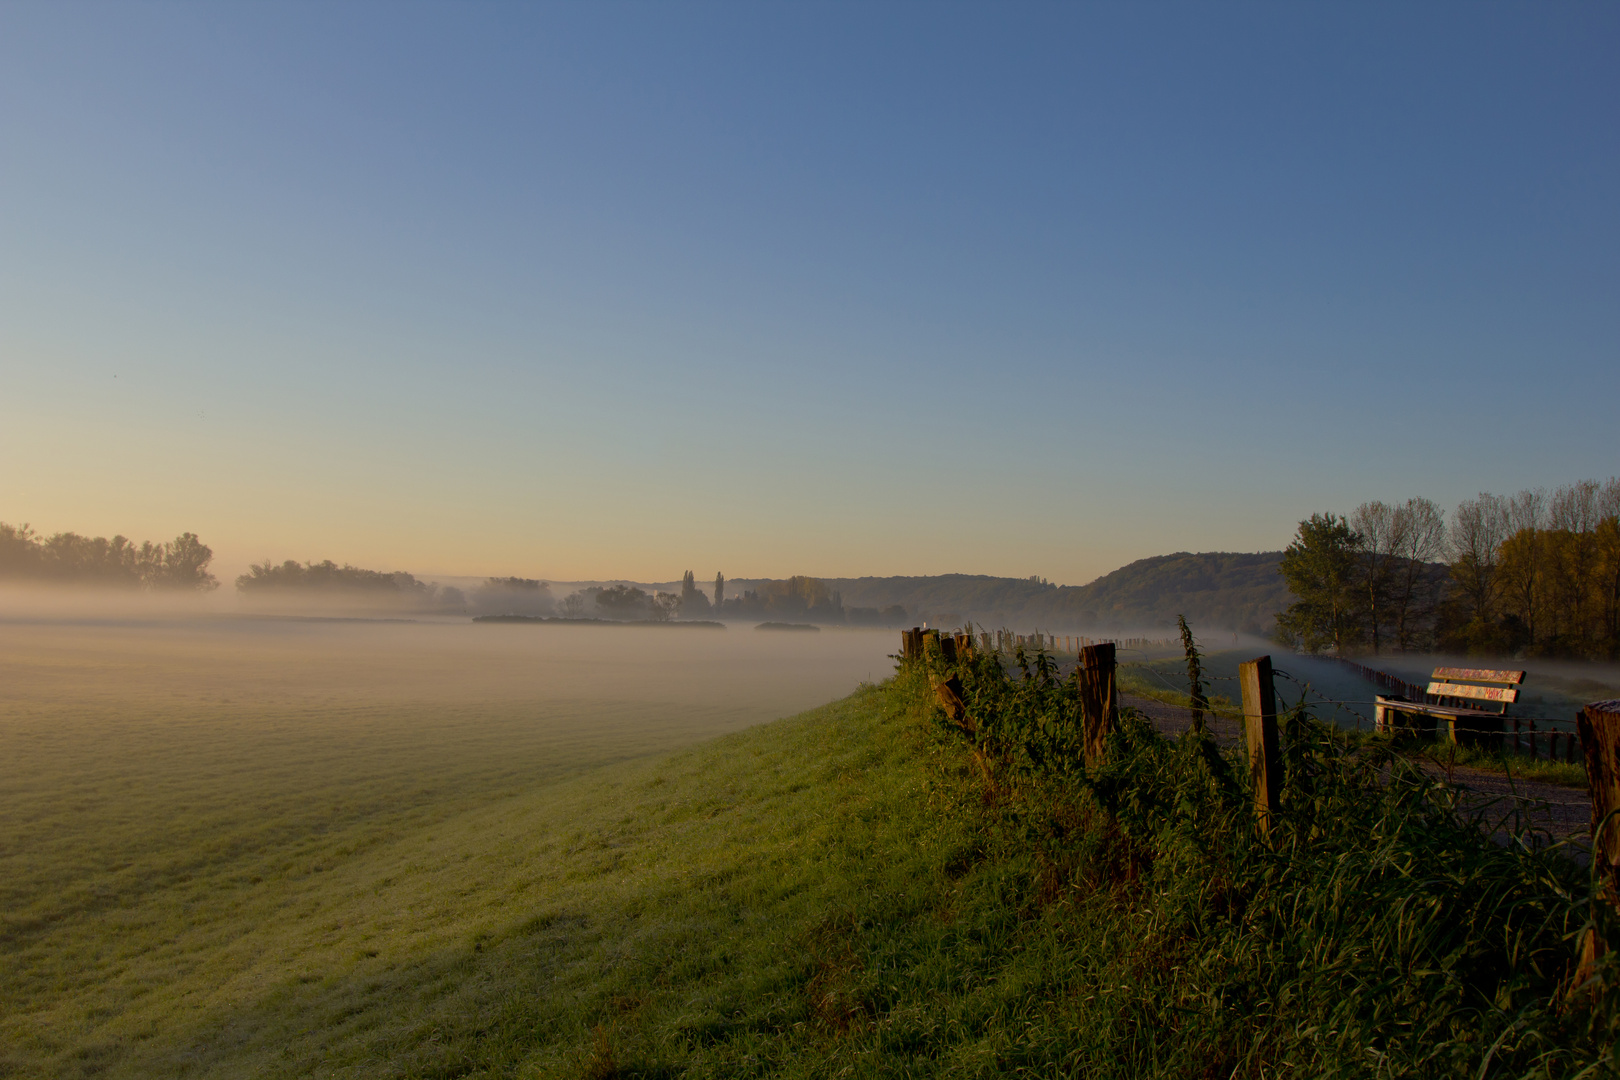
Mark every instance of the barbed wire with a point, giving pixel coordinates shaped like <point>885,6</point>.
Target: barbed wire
<point>1309,695</point>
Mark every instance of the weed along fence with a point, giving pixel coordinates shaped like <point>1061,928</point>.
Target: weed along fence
<point>1389,910</point>
<point>1097,690</point>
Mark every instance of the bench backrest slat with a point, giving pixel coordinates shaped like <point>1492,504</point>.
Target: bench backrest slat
<point>1512,678</point>
<point>1503,694</point>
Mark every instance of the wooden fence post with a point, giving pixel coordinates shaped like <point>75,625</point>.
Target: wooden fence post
<point>1099,700</point>
<point>1599,727</point>
<point>1260,724</point>
<point>911,643</point>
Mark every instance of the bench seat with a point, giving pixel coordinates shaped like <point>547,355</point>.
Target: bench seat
<point>1400,704</point>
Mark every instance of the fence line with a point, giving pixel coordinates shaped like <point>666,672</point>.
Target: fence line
<point>1005,641</point>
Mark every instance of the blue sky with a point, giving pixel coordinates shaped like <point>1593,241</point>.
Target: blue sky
<point>588,291</point>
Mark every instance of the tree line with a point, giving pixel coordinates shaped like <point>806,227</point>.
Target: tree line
<point>396,588</point>
<point>795,599</point>
<point>270,577</point>
<point>1531,574</point>
<point>67,558</point>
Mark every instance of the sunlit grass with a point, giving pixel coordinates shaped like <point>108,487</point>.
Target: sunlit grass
<point>835,893</point>
<point>503,933</point>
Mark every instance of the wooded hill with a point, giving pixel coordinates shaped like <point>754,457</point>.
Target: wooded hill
<point>1215,590</point>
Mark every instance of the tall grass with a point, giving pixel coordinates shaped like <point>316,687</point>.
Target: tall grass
<point>1377,931</point>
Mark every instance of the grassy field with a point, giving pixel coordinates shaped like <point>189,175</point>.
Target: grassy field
<point>201,821</point>
<point>847,892</point>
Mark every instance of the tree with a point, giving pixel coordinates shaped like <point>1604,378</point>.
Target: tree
<point>19,551</point>
<point>692,601</point>
<point>1608,545</point>
<point>1320,567</point>
<point>1380,527</point>
<point>1423,534</point>
<point>185,564</point>
<point>623,602</point>
<point>1572,520</point>
<point>719,590</point>
<point>1478,527</point>
<point>513,596</point>
<point>1520,563</point>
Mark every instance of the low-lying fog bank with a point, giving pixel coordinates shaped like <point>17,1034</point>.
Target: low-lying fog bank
<point>122,663</point>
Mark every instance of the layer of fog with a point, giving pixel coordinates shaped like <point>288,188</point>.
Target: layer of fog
<point>114,665</point>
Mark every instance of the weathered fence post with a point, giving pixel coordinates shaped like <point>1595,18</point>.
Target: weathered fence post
<point>1599,728</point>
<point>1099,700</point>
<point>911,643</point>
<point>1260,724</point>
<point>951,698</point>
<point>947,687</point>
<point>964,646</point>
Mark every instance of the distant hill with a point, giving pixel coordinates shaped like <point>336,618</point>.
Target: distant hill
<point>1215,590</point>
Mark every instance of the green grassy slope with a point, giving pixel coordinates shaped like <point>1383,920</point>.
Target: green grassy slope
<point>833,894</point>
<point>692,907</point>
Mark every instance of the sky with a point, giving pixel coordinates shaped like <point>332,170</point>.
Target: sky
<point>592,291</point>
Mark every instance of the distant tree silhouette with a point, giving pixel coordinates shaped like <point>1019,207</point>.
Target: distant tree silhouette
<point>623,602</point>
<point>327,575</point>
<point>663,607</point>
<point>184,564</point>
<point>68,558</point>
<point>692,602</point>
<point>513,596</point>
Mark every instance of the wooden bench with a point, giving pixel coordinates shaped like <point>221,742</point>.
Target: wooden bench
<point>1458,685</point>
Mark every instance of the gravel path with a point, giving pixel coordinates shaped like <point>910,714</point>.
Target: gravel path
<point>1553,810</point>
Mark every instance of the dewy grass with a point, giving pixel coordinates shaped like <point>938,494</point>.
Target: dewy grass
<point>1519,766</point>
<point>865,890</point>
